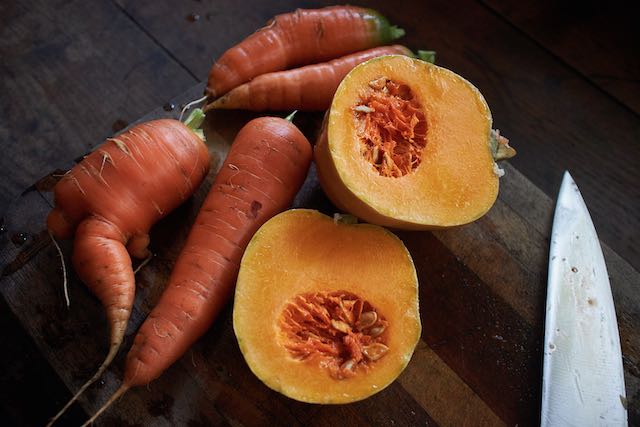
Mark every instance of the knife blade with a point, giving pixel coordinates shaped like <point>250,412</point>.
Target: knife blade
<point>583,377</point>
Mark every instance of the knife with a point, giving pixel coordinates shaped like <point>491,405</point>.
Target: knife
<point>583,378</point>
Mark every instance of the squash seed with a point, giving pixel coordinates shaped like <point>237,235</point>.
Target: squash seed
<point>348,365</point>
<point>367,319</point>
<point>376,331</point>
<point>375,351</point>
<point>340,326</point>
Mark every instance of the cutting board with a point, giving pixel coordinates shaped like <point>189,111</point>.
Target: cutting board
<point>482,294</point>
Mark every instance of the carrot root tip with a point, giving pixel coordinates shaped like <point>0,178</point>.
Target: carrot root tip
<point>143,263</point>
<point>211,105</point>
<point>113,350</point>
<point>122,390</point>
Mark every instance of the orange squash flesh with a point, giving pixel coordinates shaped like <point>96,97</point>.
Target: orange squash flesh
<point>326,312</point>
<point>452,178</point>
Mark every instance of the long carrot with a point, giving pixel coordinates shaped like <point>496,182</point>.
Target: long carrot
<point>111,199</point>
<point>264,169</point>
<point>299,38</point>
<point>308,88</point>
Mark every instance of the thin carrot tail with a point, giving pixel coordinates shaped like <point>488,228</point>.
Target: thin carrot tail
<point>113,350</point>
<point>122,390</point>
<point>189,105</point>
<point>64,269</point>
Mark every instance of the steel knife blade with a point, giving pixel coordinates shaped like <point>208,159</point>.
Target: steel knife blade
<point>583,377</point>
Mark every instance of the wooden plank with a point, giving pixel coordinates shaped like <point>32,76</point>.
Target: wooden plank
<point>599,39</point>
<point>70,72</point>
<point>28,369</point>
<point>445,393</point>
<point>478,334</point>
<point>192,30</point>
<point>481,336</point>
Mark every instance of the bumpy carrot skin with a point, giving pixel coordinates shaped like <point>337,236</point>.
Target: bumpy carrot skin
<point>111,199</point>
<point>263,171</point>
<point>298,38</point>
<point>308,88</point>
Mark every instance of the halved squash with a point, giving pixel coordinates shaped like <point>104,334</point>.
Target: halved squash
<point>408,144</point>
<point>326,311</point>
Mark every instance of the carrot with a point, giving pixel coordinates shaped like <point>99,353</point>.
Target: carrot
<point>264,169</point>
<point>111,199</point>
<point>299,38</point>
<point>308,88</point>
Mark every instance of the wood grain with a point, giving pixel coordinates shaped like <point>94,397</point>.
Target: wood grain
<point>436,386</point>
<point>478,362</point>
<point>552,115</point>
<point>601,40</point>
<point>70,71</point>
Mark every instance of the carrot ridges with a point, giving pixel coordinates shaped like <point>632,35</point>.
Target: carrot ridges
<point>308,88</point>
<point>305,36</point>
<point>111,209</point>
<point>263,183</point>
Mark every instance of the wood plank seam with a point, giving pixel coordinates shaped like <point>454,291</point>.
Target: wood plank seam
<point>155,41</point>
<point>558,58</point>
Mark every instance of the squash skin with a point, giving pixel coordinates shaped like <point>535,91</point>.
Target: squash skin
<point>302,251</point>
<point>460,194</point>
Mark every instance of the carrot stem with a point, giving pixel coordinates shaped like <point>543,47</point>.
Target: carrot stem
<point>395,32</point>
<point>64,270</point>
<point>122,390</point>
<point>387,32</point>
<point>194,121</point>
<point>339,218</point>
<point>189,105</point>
<point>427,55</point>
<point>289,118</point>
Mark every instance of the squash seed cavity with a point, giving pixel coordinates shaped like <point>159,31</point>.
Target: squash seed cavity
<point>338,330</point>
<point>391,126</point>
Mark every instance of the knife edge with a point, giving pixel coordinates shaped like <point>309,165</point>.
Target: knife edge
<point>583,378</point>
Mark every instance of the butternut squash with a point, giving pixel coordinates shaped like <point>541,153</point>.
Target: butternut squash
<point>409,144</point>
<point>326,311</point>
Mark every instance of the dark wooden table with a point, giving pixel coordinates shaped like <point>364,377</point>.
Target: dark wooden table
<point>561,78</point>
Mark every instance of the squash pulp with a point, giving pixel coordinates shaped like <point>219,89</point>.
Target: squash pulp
<point>410,145</point>
<point>324,311</point>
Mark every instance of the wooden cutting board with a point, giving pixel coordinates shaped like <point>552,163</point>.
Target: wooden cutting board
<point>482,294</point>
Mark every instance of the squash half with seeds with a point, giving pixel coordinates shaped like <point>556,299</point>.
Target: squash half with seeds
<point>326,311</point>
<point>410,145</point>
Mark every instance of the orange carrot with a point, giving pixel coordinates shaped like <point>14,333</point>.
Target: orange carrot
<point>111,199</point>
<point>308,88</point>
<point>299,38</point>
<point>264,169</point>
